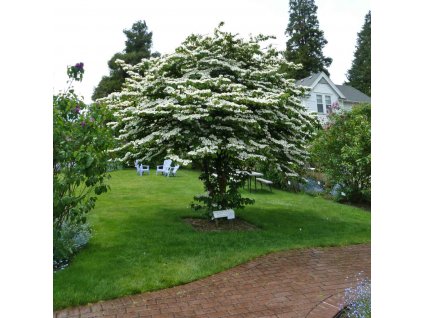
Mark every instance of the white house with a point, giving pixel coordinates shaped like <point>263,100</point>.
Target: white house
<point>324,94</point>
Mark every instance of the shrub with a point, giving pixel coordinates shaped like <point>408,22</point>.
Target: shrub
<point>80,163</point>
<point>68,239</point>
<point>342,152</point>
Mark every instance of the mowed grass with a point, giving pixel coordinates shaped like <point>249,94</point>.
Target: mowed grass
<point>141,243</point>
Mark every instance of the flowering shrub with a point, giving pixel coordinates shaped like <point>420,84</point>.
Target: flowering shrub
<point>334,108</point>
<point>220,101</point>
<point>80,143</point>
<point>76,71</point>
<point>342,152</point>
<point>358,299</point>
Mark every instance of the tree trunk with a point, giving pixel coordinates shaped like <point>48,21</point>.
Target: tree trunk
<point>221,178</point>
<point>207,172</point>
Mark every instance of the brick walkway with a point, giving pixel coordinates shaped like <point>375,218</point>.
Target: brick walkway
<point>289,284</point>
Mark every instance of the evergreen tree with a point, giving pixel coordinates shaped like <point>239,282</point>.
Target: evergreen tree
<point>137,47</point>
<point>359,75</point>
<point>306,40</point>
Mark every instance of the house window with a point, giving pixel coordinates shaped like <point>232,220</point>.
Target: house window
<point>319,104</point>
<point>328,102</point>
<point>324,103</point>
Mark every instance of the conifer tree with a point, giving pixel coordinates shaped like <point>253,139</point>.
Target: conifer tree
<point>220,101</point>
<point>137,47</point>
<point>306,40</point>
<point>359,75</point>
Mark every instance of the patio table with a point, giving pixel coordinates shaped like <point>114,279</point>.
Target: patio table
<point>255,175</point>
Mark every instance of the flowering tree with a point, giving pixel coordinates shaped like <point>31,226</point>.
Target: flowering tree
<point>219,100</point>
<point>80,143</point>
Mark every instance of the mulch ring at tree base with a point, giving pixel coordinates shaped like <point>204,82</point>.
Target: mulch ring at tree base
<point>205,225</point>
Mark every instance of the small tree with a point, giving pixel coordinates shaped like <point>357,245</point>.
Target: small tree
<point>360,73</point>
<point>306,40</point>
<point>218,100</point>
<point>80,143</point>
<point>342,151</point>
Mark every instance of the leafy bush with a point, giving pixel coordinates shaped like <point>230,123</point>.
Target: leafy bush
<point>342,151</point>
<point>67,241</point>
<point>80,161</point>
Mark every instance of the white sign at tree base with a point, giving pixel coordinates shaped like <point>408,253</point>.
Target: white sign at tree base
<point>229,214</point>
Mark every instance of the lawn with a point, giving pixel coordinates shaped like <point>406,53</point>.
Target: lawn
<point>141,243</point>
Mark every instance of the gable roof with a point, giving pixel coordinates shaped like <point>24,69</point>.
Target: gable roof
<point>354,95</point>
<point>308,81</point>
<point>315,78</point>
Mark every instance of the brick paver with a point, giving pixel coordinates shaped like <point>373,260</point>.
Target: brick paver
<point>296,283</point>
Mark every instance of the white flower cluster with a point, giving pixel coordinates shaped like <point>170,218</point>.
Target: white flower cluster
<point>213,94</point>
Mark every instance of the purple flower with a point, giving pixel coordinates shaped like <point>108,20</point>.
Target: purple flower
<point>77,109</point>
<point>83,124</point>
<point>335,105</point>
<point>79,66</point>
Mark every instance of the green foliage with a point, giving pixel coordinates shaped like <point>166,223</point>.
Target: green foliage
<point>137,47</point>
<point>76,71</point>
<point>359,75</point>
<point>279,179</point>
<point>138,39</point>
<point>270,173</point>
<point>80,143</point>
<point>219,100</point>
<point>109,84</point>
<point>68,239</point>
<point>342,152</point>
<point>306,40</point>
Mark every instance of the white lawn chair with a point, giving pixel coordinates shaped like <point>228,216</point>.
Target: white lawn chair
<point>141,168</point>
<point>137,166</point>
<point>164,167</point>
<point>166,170</point>
<point>144,168</point>
<point>172,171</point>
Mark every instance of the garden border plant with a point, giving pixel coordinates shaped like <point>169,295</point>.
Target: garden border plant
<point>80,166</point>
<point>357,299</point>
<point>342,150</point>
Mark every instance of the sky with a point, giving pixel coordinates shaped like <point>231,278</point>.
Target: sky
<point>91,31</point>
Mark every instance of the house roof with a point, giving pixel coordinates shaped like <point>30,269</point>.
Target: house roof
<point>308,81</point>
<point>344,91</point>
<point>353,95</point>
<point>315,78</point>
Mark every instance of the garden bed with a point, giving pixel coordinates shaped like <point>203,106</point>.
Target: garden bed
<point>205,225</point>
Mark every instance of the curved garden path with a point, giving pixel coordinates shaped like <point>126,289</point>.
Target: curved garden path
<point>295,283</point>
